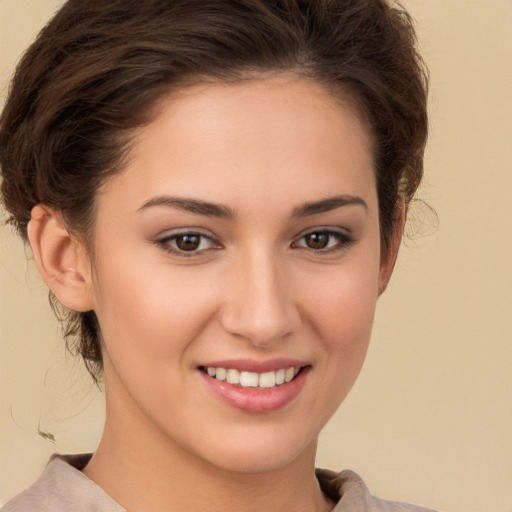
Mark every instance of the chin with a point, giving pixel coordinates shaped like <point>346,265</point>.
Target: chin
<point>259,453</point>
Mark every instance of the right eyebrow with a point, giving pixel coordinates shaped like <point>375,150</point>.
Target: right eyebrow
<point>190,205</point>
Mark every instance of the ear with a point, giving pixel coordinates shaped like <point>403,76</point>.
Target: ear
<point>60,258</point>
<point>388,260</point>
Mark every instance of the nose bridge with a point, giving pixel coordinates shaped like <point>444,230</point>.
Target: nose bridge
<point>259,305</point>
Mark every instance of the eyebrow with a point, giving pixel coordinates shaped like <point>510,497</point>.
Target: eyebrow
<point>206,208</point>
<point>191,205</point>
<point>325,205</point>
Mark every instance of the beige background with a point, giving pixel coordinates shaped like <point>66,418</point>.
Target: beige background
<point>430,419</point>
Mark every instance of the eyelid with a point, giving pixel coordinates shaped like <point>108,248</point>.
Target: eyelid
<point>163,242</point>
<point>343,236</point>
<point>345,239</point>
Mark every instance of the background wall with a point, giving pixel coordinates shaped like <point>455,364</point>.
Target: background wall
<point>430,419</point>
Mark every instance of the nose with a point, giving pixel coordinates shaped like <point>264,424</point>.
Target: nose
<point>259,304</point>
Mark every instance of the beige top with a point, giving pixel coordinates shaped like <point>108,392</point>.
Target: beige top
<point>64,488</point>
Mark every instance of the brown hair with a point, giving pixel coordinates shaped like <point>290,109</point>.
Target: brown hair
<point>96,69</point>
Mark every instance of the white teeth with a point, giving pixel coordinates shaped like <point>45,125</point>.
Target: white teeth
<point>248,380</point>
<point>233,376</point>
<point>289,374</point>
<point>267,380</point>
<point>253,379</point>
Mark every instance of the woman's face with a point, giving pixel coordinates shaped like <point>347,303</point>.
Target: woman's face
<point>240,242</point>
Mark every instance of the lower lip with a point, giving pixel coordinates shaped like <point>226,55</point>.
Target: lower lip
<point>257,400</point>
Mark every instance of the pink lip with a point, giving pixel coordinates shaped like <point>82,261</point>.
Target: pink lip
<point>255,400</point>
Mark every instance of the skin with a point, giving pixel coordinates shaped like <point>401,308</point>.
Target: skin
<point>255,289</point>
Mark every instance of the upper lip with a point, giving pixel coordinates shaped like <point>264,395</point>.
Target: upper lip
<point>251,365</point>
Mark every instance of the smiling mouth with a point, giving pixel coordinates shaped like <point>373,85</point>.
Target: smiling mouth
<point>244,379</point>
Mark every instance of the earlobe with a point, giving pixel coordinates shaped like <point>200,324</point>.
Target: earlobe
<point>60,259</point>
<point>388,260</point>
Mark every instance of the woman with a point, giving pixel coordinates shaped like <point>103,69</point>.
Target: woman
<point>215,193</point>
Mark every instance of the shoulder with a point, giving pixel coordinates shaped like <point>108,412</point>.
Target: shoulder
<point>63,487</point>
<point>350,493</point>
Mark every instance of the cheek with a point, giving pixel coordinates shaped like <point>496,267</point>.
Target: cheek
<point>342,303</point>
<point>346,331</point>
<point>155,312</point>
<point>149,323</point>
<point>342,309</point>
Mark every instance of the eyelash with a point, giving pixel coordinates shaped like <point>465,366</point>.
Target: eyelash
<point>343,241</point>
<point>166,242</point>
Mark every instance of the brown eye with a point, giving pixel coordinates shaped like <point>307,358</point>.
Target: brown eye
<point>325,240</point>
<point>317,240</point>
<point>188,242</point>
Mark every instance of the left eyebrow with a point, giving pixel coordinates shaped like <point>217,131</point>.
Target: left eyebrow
<point>325,205</point>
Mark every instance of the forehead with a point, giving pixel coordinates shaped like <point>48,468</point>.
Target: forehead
<point>268,138</point>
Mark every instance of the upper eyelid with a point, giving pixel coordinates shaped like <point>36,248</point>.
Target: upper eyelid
<point>173,236</point>
<point>324,229</point>
<point>173,232</point>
